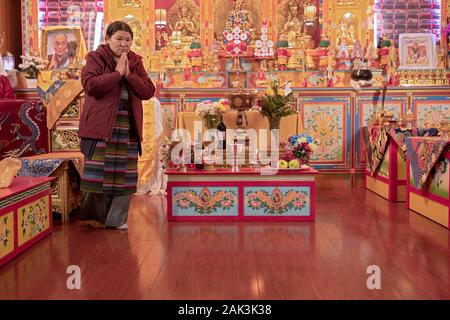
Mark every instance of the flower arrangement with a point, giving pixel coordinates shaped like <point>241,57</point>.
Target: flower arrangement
<point>32,65</point>
<point>277,102</point>
<point>211,112</point>
<point>297,151</point>
<point>166,155</point>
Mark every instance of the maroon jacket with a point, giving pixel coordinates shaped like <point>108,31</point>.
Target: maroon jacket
<point>101,85</point>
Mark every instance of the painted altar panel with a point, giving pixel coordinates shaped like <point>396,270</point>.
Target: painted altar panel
<point>205,201</point>
<point>364,108</point>
<point>430,110</point>
<point>196,80</point>
<point>277,201</point>
<point>439,183</point>
<point>6,234</point>
<point>328,120</point>
<point>33,219</point>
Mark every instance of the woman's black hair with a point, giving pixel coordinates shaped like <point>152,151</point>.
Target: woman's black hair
<point>118,26</point>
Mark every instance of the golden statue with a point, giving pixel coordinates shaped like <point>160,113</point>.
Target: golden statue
<point>346,31</point>
<point>293,26</point>
<point>184,20</point>
<point>239,15</point>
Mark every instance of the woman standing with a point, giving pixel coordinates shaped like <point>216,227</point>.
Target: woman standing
<point>115,83</point>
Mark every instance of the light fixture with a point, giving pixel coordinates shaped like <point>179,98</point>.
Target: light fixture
<point>161,17</point>
<point>310,13</point>
<point>9,62</point>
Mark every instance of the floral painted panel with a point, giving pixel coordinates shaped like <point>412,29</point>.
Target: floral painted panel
<point>277,201</point>
<point>430,115</point>
<point>33,219</point>
<point>325,123</point>
<point>205,201</point>
<point>6,234</point>
<point>439,180</point>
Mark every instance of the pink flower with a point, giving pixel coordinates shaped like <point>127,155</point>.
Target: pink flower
<point>251,196</point>
<point>255,204</point>
<point>301,197</point>
<point>226,204</point>
<point>230,196</point>
<point>179,197</point>
<point>298,204</point>
<point>183,204</point>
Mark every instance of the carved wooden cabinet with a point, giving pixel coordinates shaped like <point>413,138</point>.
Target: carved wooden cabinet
<point>64,134</point>
<point>65,190</point>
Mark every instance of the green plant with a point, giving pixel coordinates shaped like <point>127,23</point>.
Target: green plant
<point>277,102</point>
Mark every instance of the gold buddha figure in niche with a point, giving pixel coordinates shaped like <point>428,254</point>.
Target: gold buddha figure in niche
<point>185,24</point>
<point>292,28</point>
<point>345,30</point>
<point>184,21</point>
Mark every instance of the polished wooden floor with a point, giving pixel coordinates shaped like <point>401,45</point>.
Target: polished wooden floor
<point>325,259</point>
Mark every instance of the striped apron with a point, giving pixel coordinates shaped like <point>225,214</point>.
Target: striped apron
<point>112,169</point>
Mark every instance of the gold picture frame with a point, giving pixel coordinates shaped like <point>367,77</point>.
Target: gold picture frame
<point>68,41</point>
<point>417,51</point>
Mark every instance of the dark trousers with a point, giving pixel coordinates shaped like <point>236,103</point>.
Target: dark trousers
<point>110,210</point>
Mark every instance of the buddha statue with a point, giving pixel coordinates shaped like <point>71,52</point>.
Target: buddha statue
<point>293,27</point>
<point>185,25</point>
<point>345,32</point>
<point>184,22</point>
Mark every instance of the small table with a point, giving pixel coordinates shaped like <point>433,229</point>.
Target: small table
<point>67,168</point>
<point>246,195</point>
<point>428,178</point>
<point>25,215</point>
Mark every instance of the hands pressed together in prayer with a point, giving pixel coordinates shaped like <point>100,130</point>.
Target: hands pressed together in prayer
<point>122,65</point>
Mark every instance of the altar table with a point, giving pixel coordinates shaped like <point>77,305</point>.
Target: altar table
<point>428,178</point>
<point>246,195</point>
<point>288,125</point>
<point>25,215</point>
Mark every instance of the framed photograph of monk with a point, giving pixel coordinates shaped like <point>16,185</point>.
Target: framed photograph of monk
<point>63,46</point>
<point>417,51</point>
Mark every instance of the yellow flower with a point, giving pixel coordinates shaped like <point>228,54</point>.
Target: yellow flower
<point>313,146</point>
<point>270,92</point>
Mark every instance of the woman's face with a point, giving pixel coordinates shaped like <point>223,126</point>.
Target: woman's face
<point>120,42</point>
